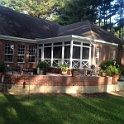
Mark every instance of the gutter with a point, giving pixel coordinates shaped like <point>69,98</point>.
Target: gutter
<point>60,38</point>
<point>12,38</point>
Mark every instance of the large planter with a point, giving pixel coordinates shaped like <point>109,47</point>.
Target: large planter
<point>74,73</point>
<point>115,79</point>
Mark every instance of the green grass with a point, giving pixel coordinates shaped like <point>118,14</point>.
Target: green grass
<point>65,109</point>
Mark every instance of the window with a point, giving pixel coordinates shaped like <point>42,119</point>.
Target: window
<point>32,54</point>
<point>76,52</point>
<point>57,52</point>
<point>67,52</point>
<point>114,54</point>
<point>97,55</point>
<point>21,53</point>
<point>85,54</point>
<point>9,52</point>
<point>47,52</point>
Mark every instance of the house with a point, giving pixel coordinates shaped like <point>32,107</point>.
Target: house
<point>25,40</point>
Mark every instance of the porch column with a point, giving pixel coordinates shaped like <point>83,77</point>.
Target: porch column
<point>51,56</point>
<point>71,53</point>
<point>90,56</point>
<point>42,53</point>
<point>63,48</point>
<point>81,49</point>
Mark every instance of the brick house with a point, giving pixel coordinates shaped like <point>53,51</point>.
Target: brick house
<point>81,44</point>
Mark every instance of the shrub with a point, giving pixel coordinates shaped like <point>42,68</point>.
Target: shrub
<point>43,65</point>
<point>3,67</point>
<point>112,70</point>
<point>105,64</point>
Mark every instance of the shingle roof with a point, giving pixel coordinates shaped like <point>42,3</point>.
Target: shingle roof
<point>20,25</point>
<point>87,29</point>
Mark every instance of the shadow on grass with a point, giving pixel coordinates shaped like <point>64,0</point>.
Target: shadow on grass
<point>61,109</point>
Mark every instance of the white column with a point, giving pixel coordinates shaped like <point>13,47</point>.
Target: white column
<point>52,55</point>
<point>37,50</point>
<point>81,49</point>
<point>90,56</point>
<point>71,53</point>
<point>42,53</point>
<point>63,48</point>
<point>93,59</point>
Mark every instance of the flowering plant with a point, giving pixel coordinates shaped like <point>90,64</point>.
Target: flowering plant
<point>75,68</point>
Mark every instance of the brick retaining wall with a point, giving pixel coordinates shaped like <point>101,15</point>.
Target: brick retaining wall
<point>45,80</point>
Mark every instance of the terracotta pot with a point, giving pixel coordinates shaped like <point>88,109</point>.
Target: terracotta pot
<point>103,74</point>
<point>115,79</point>
<point>74,73</point>
<point>63,72</point>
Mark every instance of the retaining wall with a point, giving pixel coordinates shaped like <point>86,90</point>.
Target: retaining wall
<point>58,84</point>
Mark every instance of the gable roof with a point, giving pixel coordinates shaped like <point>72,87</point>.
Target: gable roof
<point>20,25</point>
<point>89,30</point>
<point>24,26</point>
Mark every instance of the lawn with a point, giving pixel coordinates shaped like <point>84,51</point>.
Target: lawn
<point>61,109</point>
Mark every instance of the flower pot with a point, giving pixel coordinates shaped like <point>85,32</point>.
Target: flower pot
<point>115,79</point>
<point>103,74</point>
<point>63,72</point>
<point>74,73</point>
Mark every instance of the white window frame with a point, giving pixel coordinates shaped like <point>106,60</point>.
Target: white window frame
<point>114,54</point>
<point>21,53</point>
<point>9,51</point>
<point>32,53</point>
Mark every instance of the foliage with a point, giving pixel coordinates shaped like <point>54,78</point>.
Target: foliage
<point>3,67</point>
<point>107,63</point>
<point>43,65</point>
<point>63,67</point>
<point>112,70</point>
<point>75,68</point>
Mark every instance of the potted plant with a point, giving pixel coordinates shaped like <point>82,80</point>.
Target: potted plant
<point>63,68</point>
<point>114,72</point>
<point>74,71</point>
<point>3,69</point>
<point>103,72</point>
<point>43,66</point>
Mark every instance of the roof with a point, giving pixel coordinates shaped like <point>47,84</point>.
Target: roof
<point>24,26</point>
<point>89,30</point>
<point>20,25</point>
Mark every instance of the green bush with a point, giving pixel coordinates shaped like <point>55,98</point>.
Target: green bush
<point>105,64</point>
<point>3,67</point>
<point>63,67</point>
<point>43,65</point>
<point>112,70</point>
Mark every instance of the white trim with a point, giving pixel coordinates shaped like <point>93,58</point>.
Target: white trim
<point>12,38</point>
<point>55,39</point>
<point>71,53</point>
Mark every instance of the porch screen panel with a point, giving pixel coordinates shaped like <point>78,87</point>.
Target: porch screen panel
<point>76,52</point>
<point>67,52</point>
<point>57,52</point>
<point>85,54</point>
<point>47,52</point>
